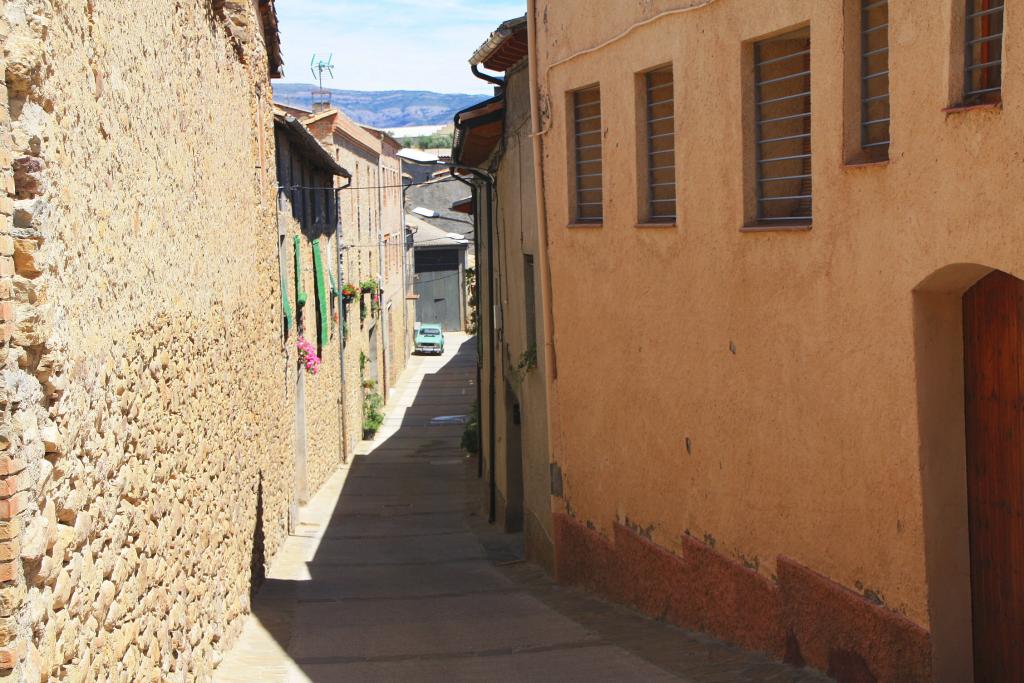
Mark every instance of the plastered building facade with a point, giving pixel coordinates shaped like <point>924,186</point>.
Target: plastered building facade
<point>146,467</point>
<point>519,470</point>
<point>761,427</point>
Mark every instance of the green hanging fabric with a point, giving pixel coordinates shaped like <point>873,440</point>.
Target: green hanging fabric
<point>286,305</point>
<point>323,322</point>
<point>300,292</point>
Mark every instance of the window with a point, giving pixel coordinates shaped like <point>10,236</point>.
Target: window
<point>874,71</point>
<point>530,302</point>
<point>983,79</point>
<point>587,149</point>
<point>782,97</point>
<point>661,147</point>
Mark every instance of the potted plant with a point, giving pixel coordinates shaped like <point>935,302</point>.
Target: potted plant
<point>349,292</point>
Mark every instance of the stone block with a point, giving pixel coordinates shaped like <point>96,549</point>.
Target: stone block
<point>25,258</point>
<point>10,550</point>
<point>9,465</point>
<point>11,655</point>
<point>9,507</point>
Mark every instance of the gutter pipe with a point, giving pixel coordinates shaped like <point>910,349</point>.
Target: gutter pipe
<point>547,305</point>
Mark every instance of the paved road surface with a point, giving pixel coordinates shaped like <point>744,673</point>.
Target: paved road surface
<point>393,576</point>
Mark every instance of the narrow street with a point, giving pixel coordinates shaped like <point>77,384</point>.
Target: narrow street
<point>393,575</point>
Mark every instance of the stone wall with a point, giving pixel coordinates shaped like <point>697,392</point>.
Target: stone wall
<point>145,417</point>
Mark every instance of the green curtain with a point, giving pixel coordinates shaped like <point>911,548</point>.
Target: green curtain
<point>323,319</point>
<point>300,292</point>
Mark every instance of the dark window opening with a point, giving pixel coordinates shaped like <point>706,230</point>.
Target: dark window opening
<point>983,78</point>
<point>875,118</point>
<point>587,147</point>
<point>661,148</point>
<point>782,96</point>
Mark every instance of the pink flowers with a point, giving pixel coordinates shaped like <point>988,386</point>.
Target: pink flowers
<point>307,355</point>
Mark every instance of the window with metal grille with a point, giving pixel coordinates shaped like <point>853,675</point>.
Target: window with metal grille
<point>983,78</point>
<point>782,96</point>
<point>661,146</point>
<point>874,69</point>
<point>587,147</point>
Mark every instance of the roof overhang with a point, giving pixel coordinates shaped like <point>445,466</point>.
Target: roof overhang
<point>478,130</point>
<point>464,205</point>
<point>272,37</point>
<point>305,140</point>
<point>504,48</point>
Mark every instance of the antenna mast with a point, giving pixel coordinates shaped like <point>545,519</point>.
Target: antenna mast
<point>321,96</point>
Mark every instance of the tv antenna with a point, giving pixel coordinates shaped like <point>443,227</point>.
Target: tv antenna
<point>321,96</point>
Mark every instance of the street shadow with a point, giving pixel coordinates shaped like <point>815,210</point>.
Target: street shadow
<point>398,531</point>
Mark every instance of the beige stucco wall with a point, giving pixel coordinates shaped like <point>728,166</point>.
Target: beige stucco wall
<point>785,359</point>
<point>143,396</point>
<point>515,230</point>
<point>392,230</point>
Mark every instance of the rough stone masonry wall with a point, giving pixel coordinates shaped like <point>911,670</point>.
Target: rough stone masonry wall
<point>144,419</point>
<point>322,391</point>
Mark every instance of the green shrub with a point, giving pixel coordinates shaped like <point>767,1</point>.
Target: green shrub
<point>373,414</point>
<point>471,434</point>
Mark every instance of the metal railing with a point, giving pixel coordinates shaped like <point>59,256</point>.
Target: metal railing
<point>983,51</point>
<point>782,97</point>
<point>587,149</point>
<point>874,111</point>
<point>661,148</point>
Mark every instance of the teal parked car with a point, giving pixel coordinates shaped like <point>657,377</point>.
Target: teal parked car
<point>430,339</point>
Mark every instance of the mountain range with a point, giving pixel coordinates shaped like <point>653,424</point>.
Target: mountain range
<point>386,109</point>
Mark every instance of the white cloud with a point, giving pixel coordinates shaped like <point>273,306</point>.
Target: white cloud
<point>391,44</point>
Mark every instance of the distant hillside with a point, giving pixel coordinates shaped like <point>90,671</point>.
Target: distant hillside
<point>385,109</point>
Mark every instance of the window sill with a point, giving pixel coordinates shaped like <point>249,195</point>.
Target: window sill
<point>963,108</point>
<point>880,163</point>
<point>597,224</point>
<point>655,226</point>
<point>787,227</point>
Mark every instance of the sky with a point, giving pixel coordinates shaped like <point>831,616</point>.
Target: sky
<point>391,44</point>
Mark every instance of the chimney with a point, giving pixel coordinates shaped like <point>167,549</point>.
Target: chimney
<point>321,100</point>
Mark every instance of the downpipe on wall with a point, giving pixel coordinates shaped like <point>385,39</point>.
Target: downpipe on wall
<point>343,434</point>
<point>479,386</point>
<point>488,183</point>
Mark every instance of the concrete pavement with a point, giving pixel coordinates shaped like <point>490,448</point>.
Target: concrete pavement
<point>393,575</point>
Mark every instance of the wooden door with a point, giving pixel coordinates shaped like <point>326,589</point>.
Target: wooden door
<point>993,377</point>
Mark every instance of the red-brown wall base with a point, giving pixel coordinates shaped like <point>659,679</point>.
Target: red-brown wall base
<point>803,618</point>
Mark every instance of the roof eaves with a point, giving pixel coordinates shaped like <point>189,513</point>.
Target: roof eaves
<point>320,156</point>
<point>497,38</point>
<point>272,37</point>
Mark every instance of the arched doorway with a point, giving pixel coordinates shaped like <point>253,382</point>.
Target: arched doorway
<point>993,324</point>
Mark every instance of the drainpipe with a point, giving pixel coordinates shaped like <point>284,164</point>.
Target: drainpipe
<point>405,272</point>
<point>499,82</point>
<point>343,436</point>
<point>488,183</point>
<point>550,359</point>
<point>479,322</point>
<point>381,271</point>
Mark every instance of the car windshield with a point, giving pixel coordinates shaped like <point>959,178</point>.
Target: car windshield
<point>430,332</point>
